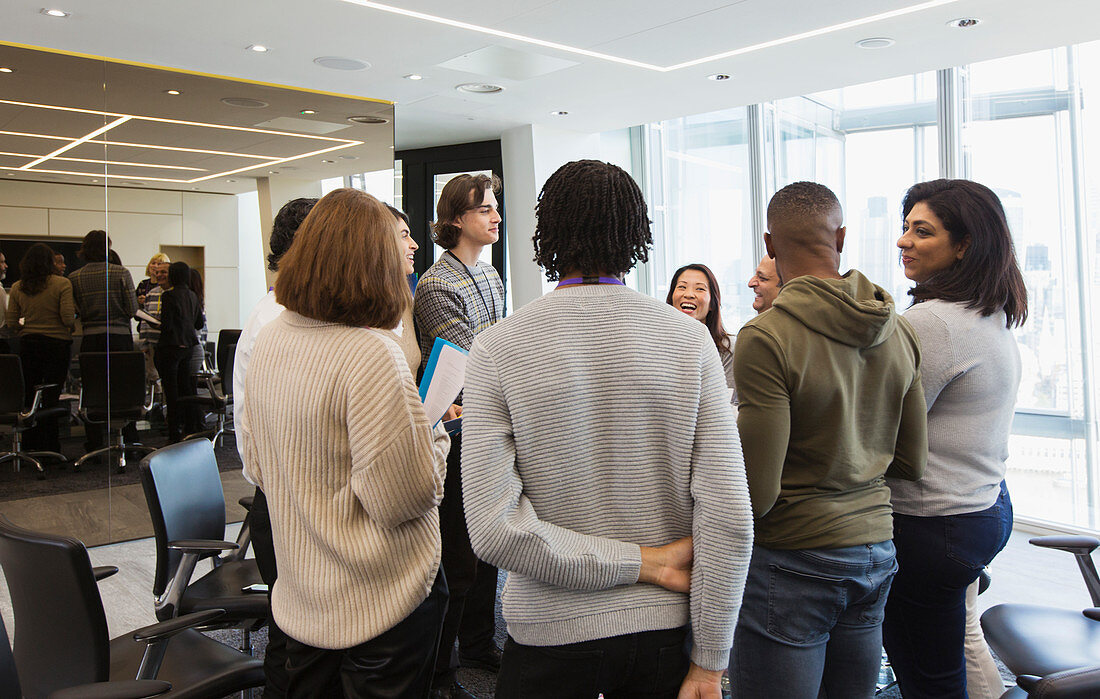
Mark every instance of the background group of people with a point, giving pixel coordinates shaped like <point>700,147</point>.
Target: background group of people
<point>659,492</point>
<point>44,307</point>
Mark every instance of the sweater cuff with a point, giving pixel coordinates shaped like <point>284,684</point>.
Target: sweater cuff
<point>630,566</point>
<point>710,659</point>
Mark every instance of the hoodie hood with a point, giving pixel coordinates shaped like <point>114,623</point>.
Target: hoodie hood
<point>850,310</point>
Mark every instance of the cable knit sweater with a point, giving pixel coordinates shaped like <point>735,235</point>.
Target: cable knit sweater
<point>597,420</point>
<point>338,440</point>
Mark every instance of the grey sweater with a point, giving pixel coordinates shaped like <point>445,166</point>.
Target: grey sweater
<point>971,373</point>
<point>597,420</point>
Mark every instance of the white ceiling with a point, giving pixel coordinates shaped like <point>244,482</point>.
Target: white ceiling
<point>600,94</point>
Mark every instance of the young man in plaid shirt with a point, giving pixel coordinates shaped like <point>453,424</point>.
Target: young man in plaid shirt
<point>458,297</point>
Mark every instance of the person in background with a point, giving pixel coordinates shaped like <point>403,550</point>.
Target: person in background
<point>694,291</point>
<point>103,292</point>
<point>198,353</point>
<point>5,331</point>
<point>336,436</point>
<point>181,317</point>
<point>457,298</point>
<point>59,265</point>
<point>149,331</point>
<point>283,228</point>
<point>150,281</point>
<point>43,301</point>
<point>764,284</point>
<point>602,510</point>
<point>830,402</point>
<point>969,294</point>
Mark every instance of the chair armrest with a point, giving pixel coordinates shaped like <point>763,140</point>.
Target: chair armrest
<point>246,502</point>
<point>1077,545</point>
<point>1077,683</point>
<point>123,689</point>
<point>166,629</point>
<point>1092,613</point>
<point>37,402</point>
<point>201,545</point>
<point>103,572</point>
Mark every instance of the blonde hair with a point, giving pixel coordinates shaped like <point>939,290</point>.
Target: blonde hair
<point>157,259</point>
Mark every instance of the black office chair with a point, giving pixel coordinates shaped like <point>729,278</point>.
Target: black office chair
<point>112,391</point>
<point>61,630</point>
<point>12,413</point>
<point>1052,652</point>
<point>219,397</point>
<point>227,344</point>
<point>187,505</point>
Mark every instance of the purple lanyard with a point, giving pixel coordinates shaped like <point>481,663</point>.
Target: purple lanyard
<point>589,280</point>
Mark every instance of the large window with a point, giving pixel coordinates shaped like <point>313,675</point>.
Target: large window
<point>1025,126</point>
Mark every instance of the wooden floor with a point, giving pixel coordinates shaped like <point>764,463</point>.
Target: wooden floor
<point>105,516</point>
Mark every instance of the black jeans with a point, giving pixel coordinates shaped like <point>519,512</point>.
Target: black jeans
<point>938,557</point>
<point>45,361</point>
<point>174,366</point>
<point>396,664</point>
<point>646,665</point>
<point>463,577</point>
<point>275,679</point>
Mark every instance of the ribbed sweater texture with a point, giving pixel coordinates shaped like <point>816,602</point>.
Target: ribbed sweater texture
<point>339,442</point>
<point>971,373</point>
<point>50,312</point>
<point>598,420</point>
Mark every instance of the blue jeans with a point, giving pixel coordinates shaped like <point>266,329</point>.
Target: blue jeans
<point>811,622</point>
<point>938,557</point>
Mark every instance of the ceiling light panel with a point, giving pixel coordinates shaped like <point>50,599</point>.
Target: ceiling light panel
<point>660,46</point>
<point>155,149</point>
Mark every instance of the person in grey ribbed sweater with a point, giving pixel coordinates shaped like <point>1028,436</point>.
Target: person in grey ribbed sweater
<point>600,455</point>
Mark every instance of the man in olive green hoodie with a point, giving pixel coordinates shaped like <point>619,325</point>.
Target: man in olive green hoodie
<point>831,402</point>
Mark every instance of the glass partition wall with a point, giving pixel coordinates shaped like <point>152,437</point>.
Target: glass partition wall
<point>1026,126</point>
<point>166,164</point>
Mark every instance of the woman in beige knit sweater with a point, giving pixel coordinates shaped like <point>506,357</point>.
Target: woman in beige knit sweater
<point>41,311</point>
<point>353,472</point>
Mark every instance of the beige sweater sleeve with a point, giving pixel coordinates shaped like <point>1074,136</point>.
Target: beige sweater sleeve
<point>398,460</point>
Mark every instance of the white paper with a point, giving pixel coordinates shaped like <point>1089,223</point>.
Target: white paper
<point>142,315</point>
<point>445,382</point>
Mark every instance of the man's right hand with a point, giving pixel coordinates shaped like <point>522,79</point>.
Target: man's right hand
<point>701,684</point>
<point>668,566</point>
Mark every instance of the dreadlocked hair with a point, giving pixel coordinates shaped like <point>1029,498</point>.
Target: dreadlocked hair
<point>591,217</point>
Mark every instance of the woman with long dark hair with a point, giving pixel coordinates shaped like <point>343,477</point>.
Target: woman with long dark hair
<point>694,291</point>
<point>336,436</point>
<point>43,300</point>
<point>969,294</point>
<point>180,317</point>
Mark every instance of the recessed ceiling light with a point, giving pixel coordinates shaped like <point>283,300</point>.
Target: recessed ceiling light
<point>329,162</point>
<point>349,157</point>
<point>53,13</point>
<point>134,184</point>
<point>308,111</point>
<point>258,48</point>
<point>877,42</point>
<point>172,92</point>
<point>414,76</point>
<point>964,22</point>
<point>368,119</point>
<point>231,181</point>
<point>560,112</point>
<point>195,189</point>
<point>718,77</point>
<point>244,102</point>
<point>5,69</point>
<point>479,88</point>
<point>95,181</point>
<point>341,63</point>
<point>273,172</point>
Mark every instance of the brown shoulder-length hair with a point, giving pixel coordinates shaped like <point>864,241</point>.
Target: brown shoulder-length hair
<point>713,319</point>
<point>344,265</point>
<point>988,276</point>
<point>459,195</point>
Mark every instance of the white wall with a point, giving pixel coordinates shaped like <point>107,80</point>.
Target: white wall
<point>138,222</point>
